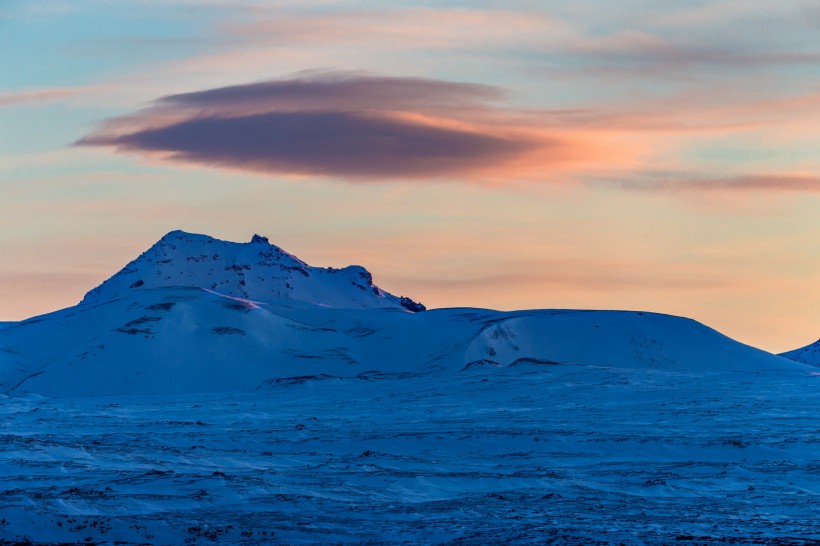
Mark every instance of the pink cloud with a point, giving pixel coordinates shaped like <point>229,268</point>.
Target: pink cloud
<point>682,182</point>
<point>36,95</point>
<point>353,126</point>
<point>364,127</point>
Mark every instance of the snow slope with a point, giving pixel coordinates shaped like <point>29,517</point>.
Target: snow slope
<point>255,270</point>
<point>810,354</point>
<point>187,340</point>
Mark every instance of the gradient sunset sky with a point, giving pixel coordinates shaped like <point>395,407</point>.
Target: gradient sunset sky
<point>647,155</point>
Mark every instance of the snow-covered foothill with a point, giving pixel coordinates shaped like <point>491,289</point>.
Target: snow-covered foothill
<point>810,354</point>
<point>172,340</point>
<point>196,314</point>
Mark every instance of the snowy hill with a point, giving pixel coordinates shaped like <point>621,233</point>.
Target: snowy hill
<point>254,270</point>
<point>176,340</point>
<point>810,354</point>
<point>195,314</point>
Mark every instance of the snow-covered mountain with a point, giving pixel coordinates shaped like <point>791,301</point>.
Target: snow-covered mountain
<point>254,270</point>
<point>194,314</point>
<point>304,406</point>
<point>170,340</point>
<point>810,354</point>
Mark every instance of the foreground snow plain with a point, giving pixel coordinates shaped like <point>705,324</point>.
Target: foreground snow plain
<point>521,455</point>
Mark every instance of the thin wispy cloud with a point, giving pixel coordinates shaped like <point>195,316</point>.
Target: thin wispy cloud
<point>644,52</point>
<point>569,42</point>
<point>337,90</point>
<point>35,96</point>
<point>686,182</point>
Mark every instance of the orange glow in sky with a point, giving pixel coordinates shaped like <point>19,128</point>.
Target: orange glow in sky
<point>661,157</point>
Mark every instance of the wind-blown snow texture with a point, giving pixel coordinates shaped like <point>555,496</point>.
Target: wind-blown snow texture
<point>214,402</point>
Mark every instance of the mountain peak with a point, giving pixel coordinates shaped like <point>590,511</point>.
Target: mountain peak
<point>255,270</point>
<point>176,233</point>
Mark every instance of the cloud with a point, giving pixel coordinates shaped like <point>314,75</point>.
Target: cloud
<point>676,182</point>
<point>393,27</point>
<point>644,51</point>
<point>346,125</point>
<point>35,95</point>
<point>362,127</point>
<point>338,90</point>
<point>344,144</point>
<point>572,41</point>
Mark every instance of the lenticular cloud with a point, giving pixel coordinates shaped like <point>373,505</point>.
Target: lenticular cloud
<point>345,125</point>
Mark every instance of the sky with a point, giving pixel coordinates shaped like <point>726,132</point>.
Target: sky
<point>644,155</point>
